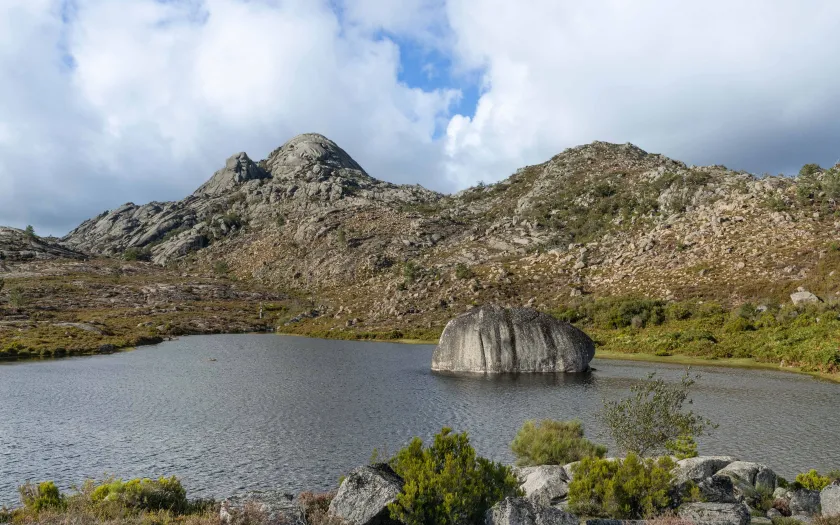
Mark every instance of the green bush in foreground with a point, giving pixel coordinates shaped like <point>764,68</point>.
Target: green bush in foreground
<point>39,497</point>
<point>447,484</point>
<point>652,418</point>
<point>633,488</point>
<point>812,480</point>
<point>553,443</point>
<point>144,494</point>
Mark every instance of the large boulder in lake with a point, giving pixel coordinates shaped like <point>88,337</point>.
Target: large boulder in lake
<point>496,339</point>
<point>363,497</point>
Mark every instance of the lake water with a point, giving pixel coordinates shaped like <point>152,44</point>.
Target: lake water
<point>288,413</point>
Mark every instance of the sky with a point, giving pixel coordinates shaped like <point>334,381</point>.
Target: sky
<point>104,102</point>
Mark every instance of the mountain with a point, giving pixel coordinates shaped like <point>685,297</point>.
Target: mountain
<point>18,245</point>
<point>604,219</point>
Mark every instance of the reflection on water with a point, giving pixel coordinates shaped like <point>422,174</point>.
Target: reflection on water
<point>295,413</point>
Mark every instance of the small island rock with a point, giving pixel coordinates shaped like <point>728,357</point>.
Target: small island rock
<point>495,339</point>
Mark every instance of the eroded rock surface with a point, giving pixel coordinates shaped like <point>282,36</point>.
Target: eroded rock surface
<point>495,339</point>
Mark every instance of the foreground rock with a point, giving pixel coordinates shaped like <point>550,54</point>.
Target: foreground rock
<point>364,496</point>
<point>830,500</point>
<point>718,513</point>
<point>521,511</point>
<point>495,339</point>
<point>545,484</point>
<point>700,468</point>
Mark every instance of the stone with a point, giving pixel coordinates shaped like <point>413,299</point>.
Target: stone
<point>804,501</point>
<point>750,479</point>
<point>830,500</point>
<point>718,513</point>
<point>521,511</point>
<point>492,339</point>
<point>701,467</point>
<point>803,296</point>
<point>717,489</point>
<point>545,484</point>
<point>774,514</point>
<point>363,497</point>
<point>238,168</point>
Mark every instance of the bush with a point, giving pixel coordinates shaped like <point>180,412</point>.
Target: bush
<point>812,480</point>
<point>39,497</point>
<point>553,443</point>
<point>447,484</point>
<point>144,494</point>
<point>221,268</point>
<point>462,271</point>
<point>137,254</point>
<point>16,298</point>
<point>314,507</point>
<point>411,272</point>
<point>737,325</point>
<point>633,488</point>
<point>653,416</point>
<point>30,231</point>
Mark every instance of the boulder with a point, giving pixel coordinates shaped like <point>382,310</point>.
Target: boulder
<point>701,467</point>
<point>545,484</point>
<point>521,511</point>
<point>495,339</point>
<point>802,296</point>
<point>363,497</point>
<point>717,489</point>
<point>750,480</point>
<point>804,502</point>
<point>718,513</point>
<point>830,500</point>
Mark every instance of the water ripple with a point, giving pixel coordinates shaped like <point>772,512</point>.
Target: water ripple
<point>290,414</point>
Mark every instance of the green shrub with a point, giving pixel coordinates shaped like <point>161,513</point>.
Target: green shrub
<point>553,443</point>
<point>633,488</point>
<point>683,447</point>
<point>737,325</point>
<point>812,480</point>
<point>137,254</point>
<point>45,495</point>
<point>679,311</point>
<point>411,271</point>
<point>462,271</point>
<point>16,298</point>
<point>221,268</point>
<point>653,415</point>
<point>30,231</point>
<point>144,494</point>
<point>447,484</point>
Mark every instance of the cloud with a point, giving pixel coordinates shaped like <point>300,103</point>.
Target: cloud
<point>157,94</point>
<point>706,82</point>
<point>108,101</point>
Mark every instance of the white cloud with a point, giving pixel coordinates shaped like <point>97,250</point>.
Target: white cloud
<point>162,93</point>
<point>708,82</point>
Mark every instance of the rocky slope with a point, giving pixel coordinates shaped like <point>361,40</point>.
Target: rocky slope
<point>17,245</point>
<point>600,219</point>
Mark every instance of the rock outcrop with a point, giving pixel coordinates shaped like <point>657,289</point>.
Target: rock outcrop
<point>363,497</point>
<point>520,511</point>
<point>492,339</point>
<point>544,484</point>
<point>17,245</point>
<point>718,513</point>
<point>830,500</point>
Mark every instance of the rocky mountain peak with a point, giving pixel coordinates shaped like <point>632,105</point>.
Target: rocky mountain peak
<point>238,168</point>
<point>308,151</point>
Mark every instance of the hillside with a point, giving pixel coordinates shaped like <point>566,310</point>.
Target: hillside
<point>596,221</point>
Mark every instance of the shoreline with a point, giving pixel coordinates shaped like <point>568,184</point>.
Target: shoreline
<point>727,362</point>
<point>676,359</point>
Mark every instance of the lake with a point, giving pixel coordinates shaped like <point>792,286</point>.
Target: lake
<point>289,413</point>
